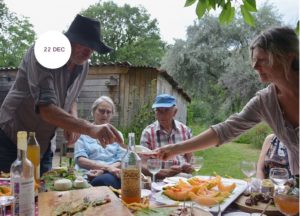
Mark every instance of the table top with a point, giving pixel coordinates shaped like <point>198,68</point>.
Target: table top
<point>49,202</point>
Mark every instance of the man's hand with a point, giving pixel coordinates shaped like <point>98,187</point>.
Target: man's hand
<point>174,170</point>
<point>106,134</point>
<point>187,168</point>
<point>71,137</point>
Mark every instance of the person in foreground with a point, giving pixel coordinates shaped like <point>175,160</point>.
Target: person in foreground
<point>166,130</point>
<point>102,165</point>
<point>42,99</point>
<point>273,154</point>
<point>275,57</point>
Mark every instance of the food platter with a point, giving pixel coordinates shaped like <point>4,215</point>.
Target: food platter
<point>271,210</point>
<point>239,189</point>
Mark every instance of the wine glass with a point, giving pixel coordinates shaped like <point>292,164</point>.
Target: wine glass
<point>279,177</point>
<point>197,162</point>
<point>154,166</point>
<point>249,169</point>
<point>5,201</point>
<point>286,203</point>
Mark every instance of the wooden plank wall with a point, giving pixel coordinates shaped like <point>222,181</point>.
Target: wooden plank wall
<point>137,87</point>
<point>164,87</point>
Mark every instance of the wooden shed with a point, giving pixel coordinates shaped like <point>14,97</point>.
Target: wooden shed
<point>130,87</point>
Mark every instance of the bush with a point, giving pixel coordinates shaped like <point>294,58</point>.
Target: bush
<point>144,117</point>
<point>255,136</point>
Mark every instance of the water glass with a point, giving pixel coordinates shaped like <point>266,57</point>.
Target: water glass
<point>154,166</point>
<point>197,162</point>
<point>4,202</point>
<point>279,177</point>
<point>249,169</point>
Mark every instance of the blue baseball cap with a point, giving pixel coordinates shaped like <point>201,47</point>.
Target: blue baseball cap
<point>164,100</point>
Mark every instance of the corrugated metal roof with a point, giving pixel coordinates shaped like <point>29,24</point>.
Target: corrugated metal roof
<point>164,73</point>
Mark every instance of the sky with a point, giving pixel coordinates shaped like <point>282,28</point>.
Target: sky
<point>173,18</point>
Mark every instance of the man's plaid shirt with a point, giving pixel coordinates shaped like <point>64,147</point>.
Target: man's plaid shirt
<point>153,136</point>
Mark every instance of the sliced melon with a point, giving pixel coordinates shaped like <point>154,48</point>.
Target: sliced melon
<point>178,195</point>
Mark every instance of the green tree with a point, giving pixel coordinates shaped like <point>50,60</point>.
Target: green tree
<point>213,64</point>
<point>130,31</point>
<point>16,35</point>
<point>228,9</point>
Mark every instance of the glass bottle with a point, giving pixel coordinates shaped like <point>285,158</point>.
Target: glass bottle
<point>131,173</point>
<point>33,154</point>
<point>22,179</point>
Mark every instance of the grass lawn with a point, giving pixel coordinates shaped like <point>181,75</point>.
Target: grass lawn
<point>225,160</point>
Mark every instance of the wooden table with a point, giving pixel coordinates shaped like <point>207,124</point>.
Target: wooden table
<point>48,202</point>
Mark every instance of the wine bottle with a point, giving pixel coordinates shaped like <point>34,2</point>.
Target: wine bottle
<point>22,179</point>
<point>131,173</point>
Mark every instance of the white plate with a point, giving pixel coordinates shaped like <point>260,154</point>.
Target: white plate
<point>174,179</point>
<point>243,214</point>
<point>4,179</point>
<point>159,187</point>
<point>145,193</point>
<point>239,189</point>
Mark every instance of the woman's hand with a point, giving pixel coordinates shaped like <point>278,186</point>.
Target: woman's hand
<point>166,152</point>
<point>94,173</point>
<point>115,171</point>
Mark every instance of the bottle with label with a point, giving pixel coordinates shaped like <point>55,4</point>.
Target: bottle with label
<point>22,179</point>
<point>33,154</point>
<point>131,173</point>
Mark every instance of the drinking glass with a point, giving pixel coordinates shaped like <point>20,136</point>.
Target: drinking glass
<point>4,202</point>
<point>249,169</point>
<point>154,166</point>
<point>287,204</point>
<point>279,177</point>
<point>197,162</point>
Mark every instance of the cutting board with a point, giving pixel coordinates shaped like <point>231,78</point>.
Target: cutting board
<point>48,202</point>
<point>271,210</point>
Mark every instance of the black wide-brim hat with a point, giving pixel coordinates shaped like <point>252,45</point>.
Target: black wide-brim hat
<point>87,32</point>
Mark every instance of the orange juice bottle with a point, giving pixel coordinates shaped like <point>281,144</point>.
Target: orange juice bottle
<point>131,174</point>
<point>33,154</point>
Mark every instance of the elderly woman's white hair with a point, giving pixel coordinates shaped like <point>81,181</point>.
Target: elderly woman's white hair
<point>100,100</point>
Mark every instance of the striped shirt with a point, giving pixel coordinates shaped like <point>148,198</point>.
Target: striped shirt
<point>153,137</point>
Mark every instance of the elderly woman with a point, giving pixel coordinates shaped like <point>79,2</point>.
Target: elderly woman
<point>275,57</point>
<point>102,165</point>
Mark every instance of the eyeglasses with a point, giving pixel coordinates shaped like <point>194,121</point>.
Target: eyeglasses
<point>103,111</point>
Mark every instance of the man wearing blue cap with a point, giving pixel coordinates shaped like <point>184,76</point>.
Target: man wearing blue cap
<point>166,130</point>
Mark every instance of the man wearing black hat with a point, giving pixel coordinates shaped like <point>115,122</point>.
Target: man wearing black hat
<point>42,99</point>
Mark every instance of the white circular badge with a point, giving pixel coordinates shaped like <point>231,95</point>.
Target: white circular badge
<point>52,49</point>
